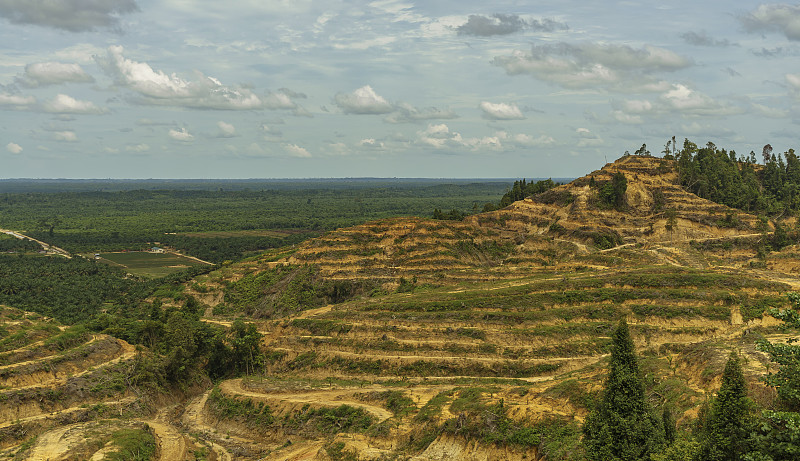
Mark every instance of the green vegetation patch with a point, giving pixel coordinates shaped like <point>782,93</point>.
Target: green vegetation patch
<point>133,445</point>
<point>489,423</point>
<point>426,368</point>
<point>288,289</point>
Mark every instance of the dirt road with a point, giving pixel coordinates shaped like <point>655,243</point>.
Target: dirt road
<point>45,246</point>
<point>327,398</point>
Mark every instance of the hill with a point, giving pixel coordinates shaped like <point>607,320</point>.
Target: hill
<point>421,339</point>
<point>512,307</point>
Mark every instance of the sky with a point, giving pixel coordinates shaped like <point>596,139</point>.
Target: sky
<point>385,88</point>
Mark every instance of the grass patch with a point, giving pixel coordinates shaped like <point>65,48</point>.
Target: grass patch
<point>134,445</point>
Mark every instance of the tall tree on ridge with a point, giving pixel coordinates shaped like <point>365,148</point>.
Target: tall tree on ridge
<point>622,427</point>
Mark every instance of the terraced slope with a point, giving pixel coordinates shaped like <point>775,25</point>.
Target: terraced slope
<point>537,344</point>
<point>506,314</point>
<point>66,394</point>
<point>550,230</point>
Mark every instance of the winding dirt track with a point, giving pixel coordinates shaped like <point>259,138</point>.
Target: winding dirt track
<point>194,418</point>
<point>171,444</point>
<point>297,452</point>
<point>329,398</point>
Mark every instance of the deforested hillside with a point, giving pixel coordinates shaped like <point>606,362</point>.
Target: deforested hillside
<point>565,227</point>
<point>489,338</point>
<point>633,200</point>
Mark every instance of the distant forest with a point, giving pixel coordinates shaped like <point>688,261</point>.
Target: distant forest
<point>236,222</point>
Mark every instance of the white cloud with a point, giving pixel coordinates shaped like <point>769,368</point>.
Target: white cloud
<point>363,44</point>
<point>159,88</point>
<point>181,135</point>
<point>81,52</point>
<point>769,111</point>
<point>774,17</point>
<point>793,80</point>
<point>677,99</point>
<point>137,147</point>
<point>14,148</point>
<point>226,130</point>
<point>371,144</point>
<point>53,73</point>
<point>65,136</point>
<point>362,101</point>
<point>406,113</point>
<point>16,100</point>
<point>702,39</point>
<point>504,24</point>
<point>64,104</point>
<point>623,117</point>
<point>526,140</point>
<point>689,101</point>
<point>255,150</point>
<point>435,135</point>
<point>71,15</point>
<point>588,139</point>
<point>637,106</point>
<point>296,151</point>
<point>501,111</point>
<point>439,136</point>
<point>151,122</point>
<point>270,130</point>
<point>704,129</point>
<point>614,67</point>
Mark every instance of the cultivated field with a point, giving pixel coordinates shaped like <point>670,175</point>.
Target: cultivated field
<point>146,264</point>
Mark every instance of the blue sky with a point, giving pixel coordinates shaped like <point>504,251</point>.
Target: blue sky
<point>387,88</point>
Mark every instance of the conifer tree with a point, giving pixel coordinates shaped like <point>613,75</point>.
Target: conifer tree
<point>728,424</point>
<point>622,426</point>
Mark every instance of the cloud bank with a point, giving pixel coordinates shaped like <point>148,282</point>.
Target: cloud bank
<point>504,24</point>
<point>774,17</point>
<point>362,101</point>
<point>501,111</point>
<point>614,67</point>
<point>52,73</point>
<point>69,15</point>
<point>156,87</point>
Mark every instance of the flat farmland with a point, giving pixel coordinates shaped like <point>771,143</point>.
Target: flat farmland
<point>147,264</point>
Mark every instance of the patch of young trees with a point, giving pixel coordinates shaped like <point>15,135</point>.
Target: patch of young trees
<point>623,425</point>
